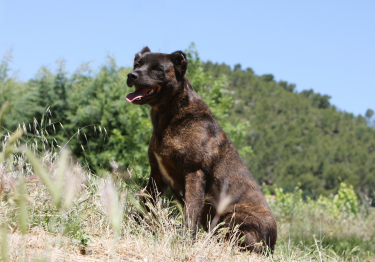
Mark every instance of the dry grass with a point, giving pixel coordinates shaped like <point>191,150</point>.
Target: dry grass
<point>130,248</point>
<point>103,215</point>
<point>51,209</point>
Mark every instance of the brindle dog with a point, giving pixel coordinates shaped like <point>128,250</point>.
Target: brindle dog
<point>192,155</point>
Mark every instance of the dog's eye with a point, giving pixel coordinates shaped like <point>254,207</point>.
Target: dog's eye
<point>159,69</point>
<point>136,65</point>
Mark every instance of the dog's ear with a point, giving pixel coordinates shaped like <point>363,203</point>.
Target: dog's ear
<point>143,51</point>
<point>180,62</point>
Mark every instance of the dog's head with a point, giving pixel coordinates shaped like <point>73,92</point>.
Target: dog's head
<point>156,76</point>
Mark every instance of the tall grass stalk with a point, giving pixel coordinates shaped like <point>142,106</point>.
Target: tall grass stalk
<point>292,212</point>
<point>114,210</point>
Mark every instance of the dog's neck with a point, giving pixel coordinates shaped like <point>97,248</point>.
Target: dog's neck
<point>184,102</point>
<point>182,99</point>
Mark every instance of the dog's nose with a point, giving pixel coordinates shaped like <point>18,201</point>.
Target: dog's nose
<point>132,76</point>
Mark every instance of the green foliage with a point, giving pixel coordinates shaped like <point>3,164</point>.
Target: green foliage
<point>22,99</point>
<point>337,220</point>
<point>346,200</point>
<point>369,113</point>
<point>212,90</point>
<point>299,138</point>
<point>89,113</point>
<point>79,236</point>
<point>115,129</point>
<point>370,118</point>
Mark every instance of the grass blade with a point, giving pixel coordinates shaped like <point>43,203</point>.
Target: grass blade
<point>9,146</point>
<point>63,162</point>
<point>41,172</point>
<point>4,108</point>
<point>22,207</point>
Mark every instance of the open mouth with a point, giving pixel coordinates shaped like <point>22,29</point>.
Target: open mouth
<point>142,93</point>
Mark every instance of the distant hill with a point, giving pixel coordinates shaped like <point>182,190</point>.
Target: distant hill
<point>299,138</point>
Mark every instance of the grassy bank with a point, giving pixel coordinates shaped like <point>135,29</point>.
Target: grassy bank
<point>52,208</point>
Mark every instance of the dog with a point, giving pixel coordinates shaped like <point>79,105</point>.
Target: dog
<point>192,155</point>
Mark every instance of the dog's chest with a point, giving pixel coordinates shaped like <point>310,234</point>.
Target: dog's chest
<point>168,162</point>
<point>163,170</point>
<point>169,145</point>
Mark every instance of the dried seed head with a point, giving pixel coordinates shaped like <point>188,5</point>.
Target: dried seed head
<point>114,165</point>
<point>24,128</point>
<point>112,205</point>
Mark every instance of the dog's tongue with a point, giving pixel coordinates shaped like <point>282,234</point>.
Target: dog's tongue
<point>139,92</point>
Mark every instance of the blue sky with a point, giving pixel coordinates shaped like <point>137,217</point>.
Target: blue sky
<point>328,46</point>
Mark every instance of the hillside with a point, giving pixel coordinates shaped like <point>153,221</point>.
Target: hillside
<point>299,138</point>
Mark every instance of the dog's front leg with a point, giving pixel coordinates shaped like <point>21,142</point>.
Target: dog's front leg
<point>195,184</point>
<point>156,184</point>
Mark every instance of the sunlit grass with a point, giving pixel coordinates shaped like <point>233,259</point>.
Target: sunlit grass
<point>102,218</point>
<point>53,208</point>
